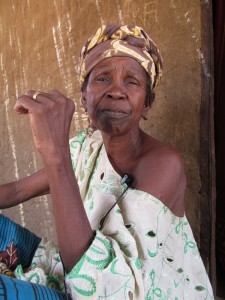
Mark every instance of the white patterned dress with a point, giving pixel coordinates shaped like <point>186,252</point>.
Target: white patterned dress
<point>142,252</point>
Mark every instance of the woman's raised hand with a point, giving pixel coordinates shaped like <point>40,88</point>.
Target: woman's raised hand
<point>50,118</point>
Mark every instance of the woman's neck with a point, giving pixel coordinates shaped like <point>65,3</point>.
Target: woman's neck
<point>123,151</point>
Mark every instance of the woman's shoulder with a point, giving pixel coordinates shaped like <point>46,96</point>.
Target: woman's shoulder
<point>161,155</point>
<point>162,174</point>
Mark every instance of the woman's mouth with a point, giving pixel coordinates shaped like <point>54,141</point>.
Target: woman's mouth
<point>114,112</point>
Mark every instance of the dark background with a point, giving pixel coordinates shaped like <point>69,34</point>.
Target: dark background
<point>219,90</point>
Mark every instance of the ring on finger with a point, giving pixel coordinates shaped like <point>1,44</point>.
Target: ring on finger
<point>36,94</point>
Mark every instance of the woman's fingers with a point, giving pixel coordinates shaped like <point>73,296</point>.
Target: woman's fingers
<point>24,105</point>
<point>50,118</point>
<point>39,96</point>
<point>32,102</point>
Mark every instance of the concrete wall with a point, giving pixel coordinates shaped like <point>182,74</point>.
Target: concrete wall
<point>39,49</point>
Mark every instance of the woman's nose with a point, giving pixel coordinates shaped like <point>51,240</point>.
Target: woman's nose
<point>116,91</point>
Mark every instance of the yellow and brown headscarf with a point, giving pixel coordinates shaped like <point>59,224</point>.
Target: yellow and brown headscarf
<point>121,40</point>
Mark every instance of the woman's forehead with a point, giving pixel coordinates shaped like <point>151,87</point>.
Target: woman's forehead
<point>127,64</point>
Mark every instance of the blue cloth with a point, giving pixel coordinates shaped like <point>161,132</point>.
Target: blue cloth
<point>14,289</point>
<point>26,243</point>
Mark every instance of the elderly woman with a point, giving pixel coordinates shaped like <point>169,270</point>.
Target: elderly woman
<point>117,193</point>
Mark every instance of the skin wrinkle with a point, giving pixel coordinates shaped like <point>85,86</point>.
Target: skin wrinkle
<point>150,94</point>
<point>122,86</point>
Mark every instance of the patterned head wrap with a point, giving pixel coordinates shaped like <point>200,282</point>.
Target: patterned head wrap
<point>116,40</point>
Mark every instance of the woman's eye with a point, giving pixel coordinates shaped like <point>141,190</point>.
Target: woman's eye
<point>132,82</point>
<point>102,79</point>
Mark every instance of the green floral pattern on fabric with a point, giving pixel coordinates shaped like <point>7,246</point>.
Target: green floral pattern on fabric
<point>142,252</point>
<point>99,255</point>
<point>143,234</point>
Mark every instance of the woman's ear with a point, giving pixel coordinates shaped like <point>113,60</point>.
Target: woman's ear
<point>145,112</point>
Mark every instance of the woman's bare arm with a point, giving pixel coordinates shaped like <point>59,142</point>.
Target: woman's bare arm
<point>50,119</point>
<point>17,192</point>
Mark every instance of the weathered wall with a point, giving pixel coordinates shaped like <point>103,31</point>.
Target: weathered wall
<point>39,49</point>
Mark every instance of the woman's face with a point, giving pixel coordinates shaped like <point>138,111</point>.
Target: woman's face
<point>115,95</point>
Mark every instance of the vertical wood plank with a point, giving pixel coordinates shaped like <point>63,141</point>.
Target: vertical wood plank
<point>207,168</point>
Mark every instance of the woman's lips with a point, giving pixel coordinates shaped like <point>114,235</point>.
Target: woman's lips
<point>114,112</point>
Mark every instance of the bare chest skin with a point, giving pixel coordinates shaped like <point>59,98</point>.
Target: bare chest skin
<point>156,169</point>
<point>115,96</point>
<point>136,161</point>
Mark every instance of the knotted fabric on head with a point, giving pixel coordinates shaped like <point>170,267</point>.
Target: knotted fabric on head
<point>126,40</point>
